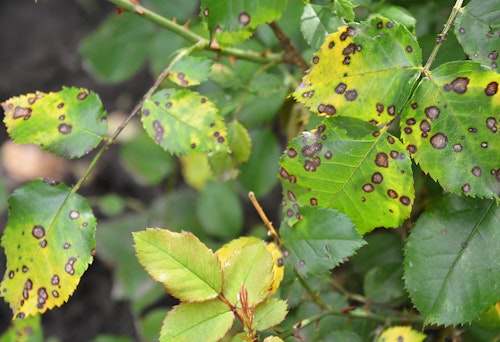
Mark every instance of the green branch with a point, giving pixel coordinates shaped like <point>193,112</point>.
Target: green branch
<point>185,33</point>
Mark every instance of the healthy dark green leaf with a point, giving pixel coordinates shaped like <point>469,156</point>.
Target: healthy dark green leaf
<point>451,263</point>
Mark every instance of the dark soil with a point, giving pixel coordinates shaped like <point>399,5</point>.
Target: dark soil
<point>38,51</point>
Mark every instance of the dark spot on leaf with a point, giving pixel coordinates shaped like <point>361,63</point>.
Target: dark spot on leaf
<point>328,154</point>
<point>326,109</point>
<point>489,34</point>
<point>302,263</point>
<point>61,117</point>
<point>331,45</point>
<point>315,60</point>
<point>464,245</point>
<point>394,154</point>
<point>31,100</point>
<point>349,50</point>
<point>404,200</point>
<point>391,110</point>
<point>216,134</point>
<point>497,175</point>
<point>458,85</point>
<point>21,315</point>
<point>64,128</point>
<point>476,171</point>
<point>317,161</point>
<point>484,144</point>
<point>432,112</point>
<point>313,201</point>
<point>55,294</point>
<point>493,55</point>
<point>25,269</point>
<point>411,121</point>
<point>21,112</point>
<point>472,130</point>
<point>193,145</point>
<point>11,274</point>
<point>425,126</point>
<point>145,112</point>
<point>292,153</point>
<point>439,141</point>
<point>390,140</point>
<point>491,89</point>
<point>158,131</point>
<point>382,159</point>
<point>82,95</point>
<point>290,213</point>
<point>368,187</point>
<point>321,128</point>
<point>407,130</point>
<point>380,25</point>
<point>466,188</point>
<point>205,12</point>
<point>181,75</point>
<point>347,60</point>
<point>291,196</point>
<point>412,149</point>
<point>168,105</point>
<point>284,173</point>
<point>308,94</point>
<point>292,179</point>
<point>212,124</point>
<point>363,199</point>
<point>38,231</point>
<point>220,140</point>
<point>380,108</point>
<point>351,31</point>
<point>60,105</point>
<point>409,49</point>
<point>309,166</point>
<point>389,24</point>
<point>414,105</point>
<point>340,88</point>
<point>392,193</point>
<point>203,100</point>
<point>375,134</point>
<point>54,280</point>
<point>457,148</point>
<point>73,214</point>
<point>43,243</point>
<point>351,95</point>
<point>491,123</point>
<point>66,245</point>
<point>69,266</point>
<point>377,178</point>
<point>244,18</point>
<point>461,30</point>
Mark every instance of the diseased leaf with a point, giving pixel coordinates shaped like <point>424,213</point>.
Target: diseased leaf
<point>317,22</point>
<point>320,241</point>
<point>207,321</point>
<point>190,71</point>
<point>184,265</point>
<point>451,260</point>
<point>451,128</point>
<point>49,242</point>
<point>233,21</point>
<point>248,269</point>
<point>403,333</point>
<point>364,70</point>
<point>351,166</point>
<point>24,330</point>
<point>400,15</point>
<point>269,313</point>
<point>477,27</point>
<point>182,122</point>
<point>68,123</point>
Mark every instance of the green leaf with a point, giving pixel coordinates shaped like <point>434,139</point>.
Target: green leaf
<point>477,27</point>
<point>384,284</point>
<point>401,333</point>
<point>118,48</point>
<point>344,9</point>
<point>451,260</point>
<point>49,242</point>
<point>317,22</point>
<point>206,321</point>
<point>145,161</point>
<point>364,70</point>
<point>264,157</point>
<point>233,21</point>
<point>190,71</point>
<point>184,265</point>
<point>219,210</point>
<point>351,166</point>
<point>269,313</point>
<point>451,128</point>
<point>320,241</point>
<point>248,269</point>
<point>182,122</point>
<point>240,142</point>
<point>69,123</point>
<point>24,330</point>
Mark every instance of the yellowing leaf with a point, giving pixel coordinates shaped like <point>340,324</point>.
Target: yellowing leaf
<point>401,334</point>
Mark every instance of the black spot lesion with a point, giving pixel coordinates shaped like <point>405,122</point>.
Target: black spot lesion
<point>382,160</point>
<point>458,85</point>
<point>64,128</point>
<point>244,18</point>
<point>315,60</point>
<point>82,95</point>
<point>21,112</point>
<point>158,130</point>
<point>491,89</point>
<point>340,88</point>
<point>351,95</point>
<point>327,109</point>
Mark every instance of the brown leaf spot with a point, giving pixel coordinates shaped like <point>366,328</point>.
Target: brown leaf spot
<point>432,112</point>
<point>484,144</point>
<point>411,121</point>
<point>407,130</point>
<point>458,85</point>
<point>291,196</point>
<point>326,109</point>
<point>350,49</point>
<point>347,60</point>
<point>64,128</point>
<point>158,131</point>
<point>380,25</point>
<point>73,214</point>
<point>308,94</point>
<point>392,193</point>
<point>389,24</point>
<point>466,188</point>
<point>382,159</point>
<point>292,153</point>
<point>313,201</point>
<point>414,105</point>
<point>205,12</point>
<point>368,187</point>
<point>404,200</point>
<point>390,140</point>
<point>351,95</point>
<point>331,45</point>
<point>391,110</point>
<point>69,266</point>
<point>394,154</point>
<point>409,49</point>
<point>54,280</point>
<point>439,141</point>
<point>380,108</point>
<point>491,123</point>
<point>21,112</point>
<point>284,173</point>
<point>412,149</point>
<point>340,88</point>
<point>315,60</point>
<point>38,231</point>
<point>43,243</point>
<point>377,178</point>
<point>309,166</point>
<point>328,154</point>
<point>476,171</point>
<point>457,148</point>
<point>244,18</point>
<point>491,89</point>
<point>425,126</point>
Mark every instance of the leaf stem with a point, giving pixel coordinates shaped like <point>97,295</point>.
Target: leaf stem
<point>184,32</point>
<point>292,55</point>
<point>442,35</point>
<point>264,218</point>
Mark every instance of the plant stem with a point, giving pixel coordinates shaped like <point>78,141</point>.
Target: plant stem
<point>309,291</point>
<point>264,218</point>
<point>184,32</point>
<point>292,55</point>
<point>442,35</point>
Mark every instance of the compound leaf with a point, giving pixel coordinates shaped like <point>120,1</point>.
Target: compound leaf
<point>320,241</point>
<point>477,28</point>
<point>233,21</point>
<point>182,121</point>
<point>364,70</point>
<point>451,260</point>
<point>451,128</point>
<point>69,123</point>
<point>49,242</point>
<point>205,321</point>
<point>182,263</point>
<point>351,166</point>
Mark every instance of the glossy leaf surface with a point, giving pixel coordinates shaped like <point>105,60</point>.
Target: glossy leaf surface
<point>205,321</point>
<point>350,166</point>
<point>182,121</point>
<point>320,241</point>
<point>451,128</point>
<point>69,123</point>
<point>184,265</point>
<point>269,313</point>
<point>477,28</point>
<point>364,70</point>
<point>49,242</point>
<point>451,260</point>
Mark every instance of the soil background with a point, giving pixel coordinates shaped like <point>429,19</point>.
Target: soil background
<point>38,51</point>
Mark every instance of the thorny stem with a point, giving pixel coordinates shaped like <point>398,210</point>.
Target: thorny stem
<point>292,55</point>
<point>264,218</point>
<point>442,35</point>
<point>184,32</point>
<point>111,139</point>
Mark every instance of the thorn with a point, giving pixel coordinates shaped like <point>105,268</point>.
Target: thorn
<point>186,24</point>
<point>119,11</point>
